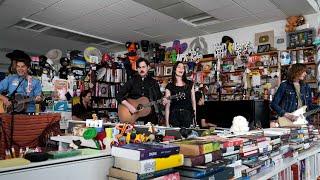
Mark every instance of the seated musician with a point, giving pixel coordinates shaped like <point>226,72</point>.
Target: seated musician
<point>201,111</point>
<point>138,86</point>
<point>21,83</point>
<point>83,110</point>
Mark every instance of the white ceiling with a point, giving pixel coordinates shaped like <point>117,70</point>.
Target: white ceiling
<point>123,20</point>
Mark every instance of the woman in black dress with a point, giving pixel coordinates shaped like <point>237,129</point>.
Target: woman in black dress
<point>180,112</point>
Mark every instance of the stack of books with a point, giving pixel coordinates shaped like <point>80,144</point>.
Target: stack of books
<point>203,160</point>
<point>146,161</point>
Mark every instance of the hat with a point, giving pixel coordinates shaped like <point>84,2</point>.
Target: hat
<point>92,51</point>
<point>54,55</point>
<point>18,54</point>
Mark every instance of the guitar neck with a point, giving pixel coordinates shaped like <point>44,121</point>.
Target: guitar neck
<point>160,100</point>
<point>311,112</point>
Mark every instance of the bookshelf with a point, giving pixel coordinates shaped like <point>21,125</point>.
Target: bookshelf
<point>106,88</point>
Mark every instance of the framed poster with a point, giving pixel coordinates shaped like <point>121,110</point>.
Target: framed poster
<point>262,38</point>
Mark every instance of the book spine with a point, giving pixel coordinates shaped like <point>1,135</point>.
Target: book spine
<point>157,153</point>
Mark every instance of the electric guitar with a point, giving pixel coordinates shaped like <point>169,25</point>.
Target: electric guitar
<point>19,104</point>
<point>301,113</point>
<point>143,106</point>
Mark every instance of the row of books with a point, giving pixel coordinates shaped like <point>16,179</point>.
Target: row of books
<point>106,90</point>
<point>213,156</point>
<point>115,75</point>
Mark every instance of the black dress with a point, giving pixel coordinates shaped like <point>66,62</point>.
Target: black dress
<point>181,111</point>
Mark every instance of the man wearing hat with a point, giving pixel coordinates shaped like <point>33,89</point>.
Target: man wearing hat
<point>21,82</point>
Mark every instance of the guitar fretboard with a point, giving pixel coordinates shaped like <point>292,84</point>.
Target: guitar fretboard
<point>306,114</point>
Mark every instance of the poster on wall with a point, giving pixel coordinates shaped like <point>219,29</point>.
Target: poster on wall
<point>262,38</point>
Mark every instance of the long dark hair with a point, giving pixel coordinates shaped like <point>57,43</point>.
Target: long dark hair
<point>173,76</point>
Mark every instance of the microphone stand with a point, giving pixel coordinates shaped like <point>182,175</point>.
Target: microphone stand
<point>13,98</point>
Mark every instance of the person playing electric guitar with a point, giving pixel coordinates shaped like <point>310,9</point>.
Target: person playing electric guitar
<point>21,83</point>
<point>141,85</point>
<point>292,94</point>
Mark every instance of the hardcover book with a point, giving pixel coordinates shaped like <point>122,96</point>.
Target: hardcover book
<point>122,174</point>
<point>144,151</point>
<point>148,165</point>
<point>202,159</point>
<point>195,147</point>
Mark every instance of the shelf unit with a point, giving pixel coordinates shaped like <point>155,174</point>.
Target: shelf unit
<point>105,89</point>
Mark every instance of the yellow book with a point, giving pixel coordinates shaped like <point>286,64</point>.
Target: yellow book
<point>169,162</point>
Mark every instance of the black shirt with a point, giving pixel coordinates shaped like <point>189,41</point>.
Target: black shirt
<point>137,87</point>
<point>181,103</point>
<point>81,112</point>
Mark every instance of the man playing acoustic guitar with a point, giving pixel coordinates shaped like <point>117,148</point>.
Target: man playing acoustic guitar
<point>21,83</point>
<point>291,95</point>
<point>140,85</point>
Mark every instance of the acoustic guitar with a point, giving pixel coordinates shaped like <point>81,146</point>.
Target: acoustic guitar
<point>301,113</point>
<point>19,103</point>
<point>143,106</point>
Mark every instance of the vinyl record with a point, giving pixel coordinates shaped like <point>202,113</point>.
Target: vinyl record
<point>101,72</point>
<point>92,51</point>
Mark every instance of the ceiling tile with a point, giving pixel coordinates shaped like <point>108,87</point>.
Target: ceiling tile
<point>255,6</point>
<point>229,12</point>
<point>207,5</point>
<point>129,8</point>
<point>268,14</point>
<point>152,18</point>
<point>294,7</point>
<point>231,24</point>
<point>180,10</point>
<point>167,38</point>
<point>28,7</point>
<point>156,4</point>
<point>54,16</point>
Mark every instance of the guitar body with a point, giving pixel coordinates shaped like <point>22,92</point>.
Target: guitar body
<point>283,121</point>
<point>20,104</point>
<point>126,116</point>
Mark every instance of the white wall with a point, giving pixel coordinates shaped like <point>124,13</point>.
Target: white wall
<point>247,33</point>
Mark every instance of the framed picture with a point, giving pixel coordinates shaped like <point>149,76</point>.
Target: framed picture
<point>263,48</point>
<point>262,38</point>
<point>167,70</point>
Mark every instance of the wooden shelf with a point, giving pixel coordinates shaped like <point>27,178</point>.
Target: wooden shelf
<point>307,63</point>
<point>109,82</point>
<point>264,53</point>
<point>262,67</point>
<point>236,71</point>
<point>297,49</point>
<point>166,76</point>
<point>99,97</point>
<point>171,64</point>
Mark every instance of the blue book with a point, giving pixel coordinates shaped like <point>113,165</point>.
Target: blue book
<point>144,151</point>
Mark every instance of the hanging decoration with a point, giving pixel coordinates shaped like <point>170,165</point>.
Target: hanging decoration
<point>200,44</point>
<point>177,48</point>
